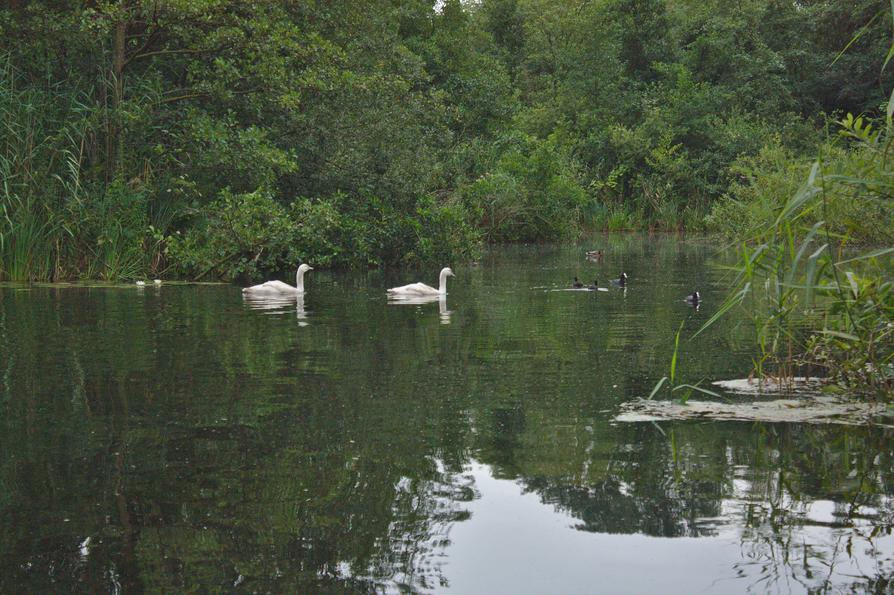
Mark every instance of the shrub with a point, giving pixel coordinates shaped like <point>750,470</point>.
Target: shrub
<point>247,235</point>
<point>238,235</point>
<point>816,305</point>
<point>531,194</point>
<point>853,178</point>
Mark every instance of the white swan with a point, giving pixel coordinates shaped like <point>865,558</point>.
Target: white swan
<point>421,289</point>
<point>280,288</point>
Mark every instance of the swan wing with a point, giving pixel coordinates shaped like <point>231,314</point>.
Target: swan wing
<point>270,287</point>
<point>413,289</point>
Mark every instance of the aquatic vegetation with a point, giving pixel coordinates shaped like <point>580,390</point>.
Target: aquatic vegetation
<point>820,299</point>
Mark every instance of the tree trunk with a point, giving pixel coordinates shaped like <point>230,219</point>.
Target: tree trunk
<point>116,144</point>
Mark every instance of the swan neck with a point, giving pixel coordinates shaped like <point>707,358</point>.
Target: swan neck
<point>299,281</point>
<point>442,284</point>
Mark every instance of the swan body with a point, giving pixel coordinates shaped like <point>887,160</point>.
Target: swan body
<point>280,288</point>
<point>421,289</point>
<point>157,281</point>
<point>140,283</point>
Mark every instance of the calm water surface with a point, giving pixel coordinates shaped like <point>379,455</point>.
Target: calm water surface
<point>180,438</point>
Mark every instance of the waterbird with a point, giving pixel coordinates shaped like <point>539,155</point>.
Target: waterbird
<point>140,283</point>
<point>694,298</point>
<point>594,286</point>
<point>157,281</point>
<point>577,284</point>
<point>597,254</point>
<point>278,287</point>
<point>420,289</point>
<point>621,281</point>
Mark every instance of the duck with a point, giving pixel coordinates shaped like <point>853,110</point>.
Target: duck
<point>597,254</point>
<point>577,284</point>
<point>421,289</point>
<point>621,281</point>
<point>280,288</point>
<point>594,286</point>
<point>694,298</point>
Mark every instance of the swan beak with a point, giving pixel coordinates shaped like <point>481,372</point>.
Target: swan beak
<point>309,268</point>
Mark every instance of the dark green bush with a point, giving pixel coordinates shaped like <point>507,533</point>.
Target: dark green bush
<point>854,179</point>
<point>531,194</point>
<point>248,235</point>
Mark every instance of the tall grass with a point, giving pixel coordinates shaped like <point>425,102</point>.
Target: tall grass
<point>56,221</point>
<point>30,231</point>
<point>821,305</point>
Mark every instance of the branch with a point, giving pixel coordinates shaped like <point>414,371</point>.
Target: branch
<point>180,51</point>
<point>183,97</point>
<point>149,39</point>
<point>216,264</point>
<point>194,94</point>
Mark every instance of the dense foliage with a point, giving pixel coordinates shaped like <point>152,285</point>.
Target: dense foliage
<point>821,300</point>
<point>223,138</point>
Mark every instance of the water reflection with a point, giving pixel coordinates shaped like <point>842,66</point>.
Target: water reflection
<point>177,441</point>
<point>797,547</point>
<point>443,312</point>
<point>278,304</point>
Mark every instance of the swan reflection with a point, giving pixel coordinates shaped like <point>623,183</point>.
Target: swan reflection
<point>418,300</point>
<point>278,304</point>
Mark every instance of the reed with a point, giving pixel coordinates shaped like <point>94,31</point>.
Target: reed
<point>29,230</point>
<point>819,304</point>
<point>57,220</point>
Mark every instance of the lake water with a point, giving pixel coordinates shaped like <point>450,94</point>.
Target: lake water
<point>180,438</point>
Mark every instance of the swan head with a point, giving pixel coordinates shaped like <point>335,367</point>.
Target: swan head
<point>304,268</point>
<point>447,271</point>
